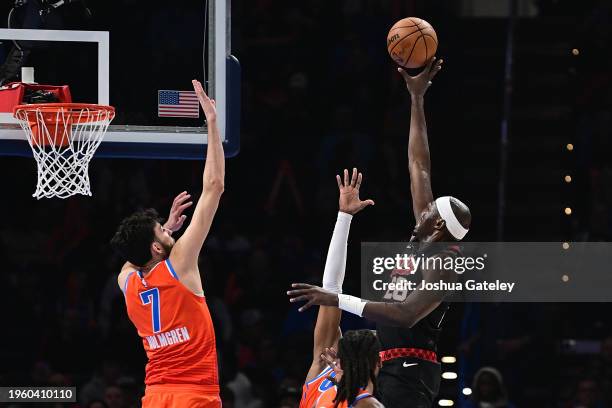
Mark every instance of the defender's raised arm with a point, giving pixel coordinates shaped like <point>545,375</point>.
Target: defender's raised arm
<point>327,330</point>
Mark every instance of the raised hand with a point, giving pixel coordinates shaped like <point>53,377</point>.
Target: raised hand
<point>209,106</point>
<point>330,356</point>
<point>176,218</point>
<point>349,201</point>
<point>313,295</point>
<point>417,85</point>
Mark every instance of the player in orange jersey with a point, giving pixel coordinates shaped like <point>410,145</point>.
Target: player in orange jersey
<point>358,351</point>
<point>163,290</point>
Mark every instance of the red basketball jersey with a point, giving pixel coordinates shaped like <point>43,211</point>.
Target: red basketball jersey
<point>176,329</point>
<point>320,392</point>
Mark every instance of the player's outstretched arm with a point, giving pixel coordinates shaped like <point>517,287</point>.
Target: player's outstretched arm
<point>417,305</point>
<point>327,330</point>
<point>184,255</point>
<point>419,161</point>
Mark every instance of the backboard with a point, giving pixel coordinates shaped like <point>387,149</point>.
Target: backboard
<point>140,58</point>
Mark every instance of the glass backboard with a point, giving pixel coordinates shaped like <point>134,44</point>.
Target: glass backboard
<point>139,57</point>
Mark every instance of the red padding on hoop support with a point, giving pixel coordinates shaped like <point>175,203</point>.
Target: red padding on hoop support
<point>12,94</point>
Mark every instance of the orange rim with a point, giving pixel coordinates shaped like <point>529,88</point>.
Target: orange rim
<point>58,107</point>
<point>60,117</point>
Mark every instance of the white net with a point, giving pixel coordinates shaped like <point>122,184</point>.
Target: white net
<point>63,140</point>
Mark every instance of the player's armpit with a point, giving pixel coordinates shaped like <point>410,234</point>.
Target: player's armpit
<point>186,250</point>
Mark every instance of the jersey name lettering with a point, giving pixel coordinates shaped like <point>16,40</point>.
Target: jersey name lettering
<point>168,338</point>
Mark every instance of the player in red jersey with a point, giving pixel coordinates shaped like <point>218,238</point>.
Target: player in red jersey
<point>410,321</point>
<point>163,289</point>
<point>358,351</point>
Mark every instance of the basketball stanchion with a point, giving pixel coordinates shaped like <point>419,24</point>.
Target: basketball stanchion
<point>63,137</point>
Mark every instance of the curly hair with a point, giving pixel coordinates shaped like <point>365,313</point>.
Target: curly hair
<point>134,236</point>
<point>358,351</point>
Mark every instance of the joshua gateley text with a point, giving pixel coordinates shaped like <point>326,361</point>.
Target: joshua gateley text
<point>470,284</point>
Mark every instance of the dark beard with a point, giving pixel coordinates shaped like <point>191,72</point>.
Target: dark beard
<point>167,248</point>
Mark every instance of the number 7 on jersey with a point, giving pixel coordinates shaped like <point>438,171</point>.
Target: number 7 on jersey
<point>152,296</point>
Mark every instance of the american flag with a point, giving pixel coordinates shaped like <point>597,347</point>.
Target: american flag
<point>177,104</point>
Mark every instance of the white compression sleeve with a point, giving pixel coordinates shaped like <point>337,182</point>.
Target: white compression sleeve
<point>335,265</point>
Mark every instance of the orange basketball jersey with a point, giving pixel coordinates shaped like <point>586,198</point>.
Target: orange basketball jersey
<point>175,327</point>
<point>321,391</point>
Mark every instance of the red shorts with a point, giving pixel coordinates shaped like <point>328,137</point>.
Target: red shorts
<point>179,395</point>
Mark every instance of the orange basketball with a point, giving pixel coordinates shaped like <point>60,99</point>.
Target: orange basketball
<point>411,42</point>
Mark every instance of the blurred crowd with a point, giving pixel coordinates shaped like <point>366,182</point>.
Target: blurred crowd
<point>64,316</point>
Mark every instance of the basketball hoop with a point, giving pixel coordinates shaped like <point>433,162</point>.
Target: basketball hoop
<point>63,138</point>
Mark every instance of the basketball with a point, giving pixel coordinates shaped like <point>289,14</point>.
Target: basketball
<point>411,42</point>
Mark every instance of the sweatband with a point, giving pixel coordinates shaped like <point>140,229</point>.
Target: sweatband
<point>452,223</point>
<point>335,264</point>
<point>351,304</point>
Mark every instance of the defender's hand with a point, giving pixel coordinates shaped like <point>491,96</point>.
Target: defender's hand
<point>314,295</point>
<point>417,85</point>
<point>176,218</point>
<point>330,356</point>
<point>209,106</point>
<point>349,201</point>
